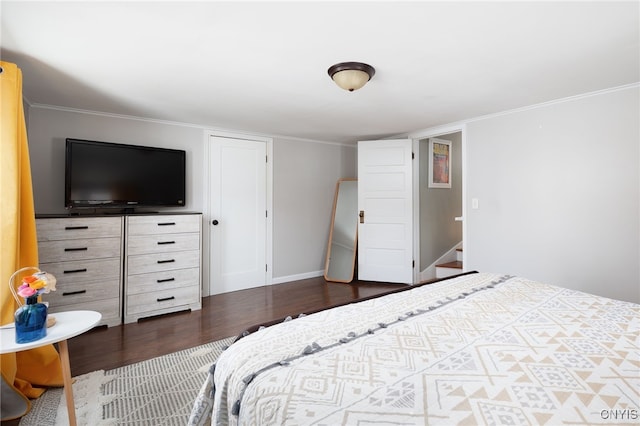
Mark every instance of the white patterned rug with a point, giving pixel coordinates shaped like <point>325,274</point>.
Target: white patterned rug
<point>159,391</point>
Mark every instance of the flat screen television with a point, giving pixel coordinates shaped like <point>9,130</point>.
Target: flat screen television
<point>113,175</point>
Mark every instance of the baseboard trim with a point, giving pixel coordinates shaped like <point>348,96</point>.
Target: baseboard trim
<point>304,276</point>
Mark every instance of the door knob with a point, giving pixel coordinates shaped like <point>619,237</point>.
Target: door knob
<point>215,222</point>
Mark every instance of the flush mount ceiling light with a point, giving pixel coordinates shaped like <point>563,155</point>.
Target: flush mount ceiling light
<point>351,75</point>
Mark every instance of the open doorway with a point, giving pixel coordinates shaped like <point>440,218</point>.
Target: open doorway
<point>440,211</point>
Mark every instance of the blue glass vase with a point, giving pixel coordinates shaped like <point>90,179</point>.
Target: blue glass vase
<point>31,321</point>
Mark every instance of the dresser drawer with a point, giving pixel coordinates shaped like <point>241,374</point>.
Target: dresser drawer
<point>158,300</point>
<point>155,281</point>
<point>78,228</point>
<point>164,224</point>
<point>144,244</point>
<point>109,308</point>
<point>144,263</point>
<point>79,292</point>
<point>65,250</point>
<point>83,270</point>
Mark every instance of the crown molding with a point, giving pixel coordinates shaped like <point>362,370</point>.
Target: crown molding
<point>205,128</point>
<point>461,124</point>
<point>556,101</point>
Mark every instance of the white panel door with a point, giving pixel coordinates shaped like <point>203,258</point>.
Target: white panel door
<point>385,205</point>
<point>238,225</point>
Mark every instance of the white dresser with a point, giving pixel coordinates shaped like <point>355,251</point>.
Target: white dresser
<point>162,264</point>
<point>85,256</point>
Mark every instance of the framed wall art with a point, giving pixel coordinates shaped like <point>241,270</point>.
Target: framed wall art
<point>439,163</point>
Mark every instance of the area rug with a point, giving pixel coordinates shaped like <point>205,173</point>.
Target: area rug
<point>159,391</point>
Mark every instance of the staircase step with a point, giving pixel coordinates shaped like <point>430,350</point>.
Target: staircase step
<point>456,264</point>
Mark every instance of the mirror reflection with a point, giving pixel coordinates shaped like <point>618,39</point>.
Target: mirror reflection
<point>343,234</point>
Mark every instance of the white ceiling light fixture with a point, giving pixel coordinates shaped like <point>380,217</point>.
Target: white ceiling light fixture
<point>351,75</point>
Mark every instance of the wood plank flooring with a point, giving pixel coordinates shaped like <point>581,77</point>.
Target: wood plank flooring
<point>221,316</point>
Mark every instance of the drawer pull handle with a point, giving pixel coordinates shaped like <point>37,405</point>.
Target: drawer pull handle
<point>77,249</point>
<point>166,280</point>
<point>73,271</point>
<point>164,299</point>
<point>167,261</point>
<point>165,242</point>
<point>73,228</point>
<point>71,293</point>
<point>166,223</point>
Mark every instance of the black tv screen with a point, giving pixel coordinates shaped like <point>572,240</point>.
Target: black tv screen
<point>112,175</point>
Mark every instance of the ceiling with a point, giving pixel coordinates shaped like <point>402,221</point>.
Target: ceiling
<point>262,66</point>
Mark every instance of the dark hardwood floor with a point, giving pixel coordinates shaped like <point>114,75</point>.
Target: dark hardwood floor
<point>221,316</point>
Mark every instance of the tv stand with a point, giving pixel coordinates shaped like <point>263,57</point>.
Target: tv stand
<point>126,267</point>
<point>85,255</point>
<point>133,211</point>
<point>108,213</point>
<point>162,262</point>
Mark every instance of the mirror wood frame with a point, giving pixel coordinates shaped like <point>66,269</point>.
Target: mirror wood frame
<point>348,277</point>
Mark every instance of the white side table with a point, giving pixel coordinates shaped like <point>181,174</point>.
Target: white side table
<point>68,325</point>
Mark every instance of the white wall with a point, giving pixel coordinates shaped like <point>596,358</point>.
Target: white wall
<point>558,188</point>
<point>48,129</point>
<point>304,177</point>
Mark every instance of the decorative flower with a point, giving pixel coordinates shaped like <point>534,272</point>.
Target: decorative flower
<point>37,284</point>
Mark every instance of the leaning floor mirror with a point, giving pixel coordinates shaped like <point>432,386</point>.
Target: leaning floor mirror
<point>343,234</point>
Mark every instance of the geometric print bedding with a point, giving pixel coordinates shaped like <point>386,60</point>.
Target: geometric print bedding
<point>477,349</point>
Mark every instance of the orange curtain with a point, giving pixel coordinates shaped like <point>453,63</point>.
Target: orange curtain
<point>23,373</point>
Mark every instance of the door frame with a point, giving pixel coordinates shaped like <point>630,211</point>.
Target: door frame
<point>434,133</point>
<point>206,206</point>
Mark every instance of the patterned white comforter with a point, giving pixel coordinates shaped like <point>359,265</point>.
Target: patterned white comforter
<point>478,349</point>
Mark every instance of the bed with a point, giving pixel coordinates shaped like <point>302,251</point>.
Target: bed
<point>476,349</point>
